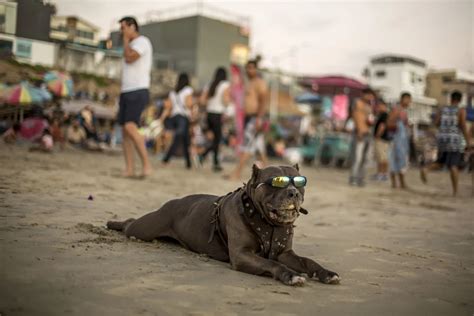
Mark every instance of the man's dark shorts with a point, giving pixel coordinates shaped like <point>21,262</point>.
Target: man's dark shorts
<point>450,159</point>
<point>131,106</point>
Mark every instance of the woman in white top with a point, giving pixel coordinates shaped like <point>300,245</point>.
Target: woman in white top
<point>216,97</point>
<point>178,108</point>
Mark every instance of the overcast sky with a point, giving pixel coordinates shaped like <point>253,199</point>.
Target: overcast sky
<point>327,37</point>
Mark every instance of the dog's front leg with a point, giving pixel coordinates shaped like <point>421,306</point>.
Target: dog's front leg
<point>308,266</point>
<point>249,262</point>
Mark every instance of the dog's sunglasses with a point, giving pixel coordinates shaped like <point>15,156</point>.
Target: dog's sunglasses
<point>284,181</point>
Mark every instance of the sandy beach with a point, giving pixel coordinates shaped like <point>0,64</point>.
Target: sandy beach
<point>398,252</point>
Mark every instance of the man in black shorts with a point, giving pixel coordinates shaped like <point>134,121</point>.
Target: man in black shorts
<point>137,52</point>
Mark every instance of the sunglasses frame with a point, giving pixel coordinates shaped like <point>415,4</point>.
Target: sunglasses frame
<point>269,181</point>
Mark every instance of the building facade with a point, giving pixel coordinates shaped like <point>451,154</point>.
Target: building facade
<point>74,30</point>
<point>391,75</point>
<point>441,83</point>
<point>16,39</point>
<point>194,44</point>
<point>34,19</point>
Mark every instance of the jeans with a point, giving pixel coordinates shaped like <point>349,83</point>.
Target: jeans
<point>181,136</point>
<point>214,121</point>
<point>360,148</point>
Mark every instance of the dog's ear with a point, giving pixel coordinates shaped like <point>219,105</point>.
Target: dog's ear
<point>255,173</point>
<point>296,167</point>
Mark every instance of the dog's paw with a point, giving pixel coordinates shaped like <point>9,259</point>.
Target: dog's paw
<point>292,278</point>
<point>297,280</point>
<point>328,277</point>
<point>335,279</point>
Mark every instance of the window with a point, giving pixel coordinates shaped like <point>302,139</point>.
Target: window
<point>23,48</point>
<point>84,34</point>
<point>6,48</point>
<point>2,18</point>
<point>380,74</point>
<point>447,79</point>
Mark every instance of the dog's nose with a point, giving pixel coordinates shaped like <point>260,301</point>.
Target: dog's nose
<point>293,193</point>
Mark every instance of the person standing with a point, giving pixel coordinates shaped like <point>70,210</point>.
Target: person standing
<point>178,109</point>
<point>255,106</point>
<point>400,150</point>
<point>451,121</point>
<point>137,52</point>
<point>381,142</point>
<point>216,98</point>
<point>363,119</point>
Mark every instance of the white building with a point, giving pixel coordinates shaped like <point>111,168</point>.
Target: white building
<point>391,75</point>
<point>26,50</point>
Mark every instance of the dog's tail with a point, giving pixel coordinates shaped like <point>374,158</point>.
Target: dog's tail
<point>119,226</point>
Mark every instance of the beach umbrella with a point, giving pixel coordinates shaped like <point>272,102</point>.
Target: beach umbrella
<point>3,91</point>
<point>60,84</point>
<point>45,94</point>
<point>32,128</point>
<point>22,94</point>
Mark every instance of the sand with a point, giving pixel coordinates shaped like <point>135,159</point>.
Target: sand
<point>398,252</point>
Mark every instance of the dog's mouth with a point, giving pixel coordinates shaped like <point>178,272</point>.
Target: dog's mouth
<point>284,214</point>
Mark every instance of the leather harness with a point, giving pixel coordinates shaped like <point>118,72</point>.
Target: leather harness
<point>273,239</point>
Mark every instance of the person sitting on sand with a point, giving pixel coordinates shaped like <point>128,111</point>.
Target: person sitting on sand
<point>45,143</point>
<point>75,134</point>
<point>57,133</point>
<point>88,122</point>
<point>10,135</point>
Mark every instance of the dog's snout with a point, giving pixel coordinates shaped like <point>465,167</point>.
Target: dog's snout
<point>293,193</point>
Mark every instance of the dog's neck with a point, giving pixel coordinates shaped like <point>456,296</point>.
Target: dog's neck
<point>256,207</point>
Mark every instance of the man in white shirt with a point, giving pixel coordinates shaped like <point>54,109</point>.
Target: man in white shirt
<point>137,52</point>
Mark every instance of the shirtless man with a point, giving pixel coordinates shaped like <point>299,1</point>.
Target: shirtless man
<point>363,118</point>
<point>255,105</point>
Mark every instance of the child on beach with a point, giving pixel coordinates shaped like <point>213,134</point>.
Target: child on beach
<point>10,136</point>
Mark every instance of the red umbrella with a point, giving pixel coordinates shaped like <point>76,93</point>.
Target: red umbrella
<point>32,128</point>
<point>329,84</point>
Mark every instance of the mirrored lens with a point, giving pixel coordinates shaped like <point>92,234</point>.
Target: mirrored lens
<point>299,181</point>
<point>280,182</point>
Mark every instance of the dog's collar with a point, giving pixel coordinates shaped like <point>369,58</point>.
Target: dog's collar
<point>273,239</point>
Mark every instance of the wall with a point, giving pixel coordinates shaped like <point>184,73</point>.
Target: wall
<point>35,52</point>
<point>73,57</point>
<point>196,45</point>
<point>9,12</point>
<point>399,77</point>
<point>174,43</point>
<point>214,45</point>
<point>33,19</point>
<point>440,90</point>
<point>390,85</point>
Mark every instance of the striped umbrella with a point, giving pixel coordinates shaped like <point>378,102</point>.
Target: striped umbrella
<point>22,94</point>
<point>60,84</point>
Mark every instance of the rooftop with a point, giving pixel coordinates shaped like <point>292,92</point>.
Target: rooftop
<point>189,10</point>
<point>396,59</point>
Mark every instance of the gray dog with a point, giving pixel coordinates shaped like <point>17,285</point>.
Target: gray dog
<point>252,227</point>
